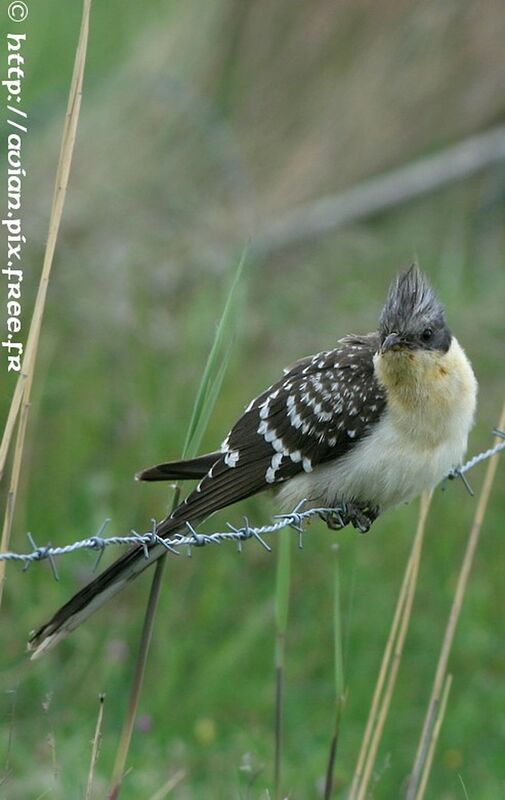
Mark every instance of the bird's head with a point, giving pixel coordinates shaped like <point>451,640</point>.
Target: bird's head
<point>412,320</point>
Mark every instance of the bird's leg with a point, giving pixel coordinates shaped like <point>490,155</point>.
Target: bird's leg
<point>334,520</point>
<point>360,515</point>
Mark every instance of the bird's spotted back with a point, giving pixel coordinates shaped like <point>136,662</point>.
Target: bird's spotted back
<point>322,407</point>
<point>319,410</point>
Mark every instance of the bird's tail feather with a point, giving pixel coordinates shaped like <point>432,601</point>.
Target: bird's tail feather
<point>126,568</point>
<point>92,596</point>
<point>179,470</point>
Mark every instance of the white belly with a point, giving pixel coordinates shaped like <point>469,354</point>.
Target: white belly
<point>384,469</point>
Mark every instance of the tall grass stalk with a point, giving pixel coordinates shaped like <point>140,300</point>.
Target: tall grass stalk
<point>473,539</point>
<point>215,368</point>
<point>167,787</point>
<point>206,397</point>
<point>434,738</point>
<point>281,623</point>
<point>339,679</point>
<point>390,662</point>
<point>137,680</point>
<point>20,404</point>
<point>95,748</point>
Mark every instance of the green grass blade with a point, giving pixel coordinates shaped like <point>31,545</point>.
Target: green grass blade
<point>339,680</point>
<point>281,622</point>
<point>212,392</point>
<point>206,398</point>
<point>214,371</point>
<point>282,583</point>
<point>337,627</point>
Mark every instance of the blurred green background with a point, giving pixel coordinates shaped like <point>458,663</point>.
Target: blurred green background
<point>201,123</point>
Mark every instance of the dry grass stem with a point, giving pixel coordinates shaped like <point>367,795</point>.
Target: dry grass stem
<point>390,662</point>
<point>95,748</point>
<point>457,602</point>
<point>118,771</point>
<point>340,695</point>
<point>282,590</point>
<point>20,404</point>
<point>205,400</point>
<point>434,738</point>
<point>167,787</point>
<point>12,415</point>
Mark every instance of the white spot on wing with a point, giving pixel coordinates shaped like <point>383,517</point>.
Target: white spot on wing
<point>278,445</point>
<point>270,475</point>
<point>276,461</point>
<point>294,417</point>
<point>265,409</point>
<point>232,458</point>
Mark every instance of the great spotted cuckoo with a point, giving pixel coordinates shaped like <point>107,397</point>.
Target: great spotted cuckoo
<point>362,427</point>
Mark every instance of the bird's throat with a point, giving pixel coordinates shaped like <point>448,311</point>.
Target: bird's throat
<point>428,392</point>
<point>409,375</point>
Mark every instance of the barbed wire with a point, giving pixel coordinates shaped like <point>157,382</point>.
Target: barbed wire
<point>295,519</point>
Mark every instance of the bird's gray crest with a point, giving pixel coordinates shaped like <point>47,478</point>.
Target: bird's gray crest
<point>411,304</point>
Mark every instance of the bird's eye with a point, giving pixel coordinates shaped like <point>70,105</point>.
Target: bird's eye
<point>426,334</point>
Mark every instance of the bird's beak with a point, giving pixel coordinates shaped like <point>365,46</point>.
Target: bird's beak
<point>393,341</point>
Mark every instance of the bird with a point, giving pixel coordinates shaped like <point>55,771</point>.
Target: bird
<point>359,428</point>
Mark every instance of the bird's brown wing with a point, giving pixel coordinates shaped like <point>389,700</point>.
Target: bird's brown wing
<point>318,411</point>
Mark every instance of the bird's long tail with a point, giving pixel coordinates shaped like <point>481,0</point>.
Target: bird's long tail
<point>94,594</point>
<point>122,571</point>
<point>179,470</point>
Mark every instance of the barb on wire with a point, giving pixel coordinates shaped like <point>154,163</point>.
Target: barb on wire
<point>460,472</point>
<point>295,519</point>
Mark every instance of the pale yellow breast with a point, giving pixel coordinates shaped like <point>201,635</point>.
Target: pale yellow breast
<point>431,396</point>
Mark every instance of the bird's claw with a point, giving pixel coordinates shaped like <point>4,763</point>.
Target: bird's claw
<point>333,519</point>
<point>360,517</point>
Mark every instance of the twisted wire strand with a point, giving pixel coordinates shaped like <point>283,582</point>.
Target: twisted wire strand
<point>295,519</point>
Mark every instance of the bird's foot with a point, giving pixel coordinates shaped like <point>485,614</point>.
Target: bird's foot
<point>335,520</point>
<point>360,516</point>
